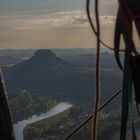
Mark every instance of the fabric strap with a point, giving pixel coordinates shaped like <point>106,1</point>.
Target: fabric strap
<point>127,100</point>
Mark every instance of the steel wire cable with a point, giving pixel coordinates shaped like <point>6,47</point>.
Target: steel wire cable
<point>70,134</point>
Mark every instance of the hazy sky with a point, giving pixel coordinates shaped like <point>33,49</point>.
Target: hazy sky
<point>49,23</point>
<point>30,7</point>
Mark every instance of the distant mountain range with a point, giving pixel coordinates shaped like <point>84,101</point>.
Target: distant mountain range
<point>10,60</point>
<point>45,72</point>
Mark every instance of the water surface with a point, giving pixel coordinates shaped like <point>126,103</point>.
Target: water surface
<point>22,124</point>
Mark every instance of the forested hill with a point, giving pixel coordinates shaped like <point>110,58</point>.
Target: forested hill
<point>61,79</point>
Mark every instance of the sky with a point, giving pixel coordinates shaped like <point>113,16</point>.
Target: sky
<point>52,23</point>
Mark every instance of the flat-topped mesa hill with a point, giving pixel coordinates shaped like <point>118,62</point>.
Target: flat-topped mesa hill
<point>42,61</point>
<point>45,56</point>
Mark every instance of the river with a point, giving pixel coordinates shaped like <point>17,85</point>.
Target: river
<point>22,124</point>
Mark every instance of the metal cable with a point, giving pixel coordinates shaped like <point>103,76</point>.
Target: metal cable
<point>92,115</point>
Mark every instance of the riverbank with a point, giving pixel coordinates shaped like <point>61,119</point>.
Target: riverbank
<point>56,127</point>
<point>19,127</point>
<point>25,104</point>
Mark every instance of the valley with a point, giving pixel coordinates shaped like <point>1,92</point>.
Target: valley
<point>45,79</point>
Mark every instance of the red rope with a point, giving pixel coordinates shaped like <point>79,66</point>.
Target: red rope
<point>128,18</point>
<point>133,17</point>
<point>94,130</point>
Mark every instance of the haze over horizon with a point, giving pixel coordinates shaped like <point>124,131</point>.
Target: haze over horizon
<point>51,24</point>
